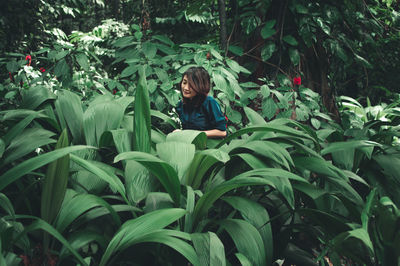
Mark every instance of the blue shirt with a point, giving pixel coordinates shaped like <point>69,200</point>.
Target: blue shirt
<point>207,116</point>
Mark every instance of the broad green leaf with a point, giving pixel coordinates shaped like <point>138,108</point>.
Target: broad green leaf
<point>83,61</point>
<point>348,145</point>
<point>267,149</point>
<point>209,249</point>
<point>128,71</point>
<point>177,154</point>
<point>39,224</point>
<point>267,32</point>
<point>290,40</point>
<point>101,116</point>
<point>294,56</point>
<point>198,138</point>
<point>236,50</point>
<point>164,117</point>
<point>17,129</point>
<point>6,205</point>
<point>256,215</point>
<point>138,181</point>
<point>276,178</point>
<point>35,96</point>
<point>34,163</point>
<point>247,240</point>
<point>69,109</point>
<point>267,51</point>
<point>81,239</point>
<point>254,117</point>
<point>270,127</point>
<point>219,81</point>
<point>114,182</point>
<point>78,205</point>
<point>360,234</point>
<point>61,68</point>
<point>204,162</point>
<point>142,118</point>
<point>27,142</point>
<point>55,183</point>
<point>233,65</point>
<point>158,200</point>
<point>2,147</point>
<point>172,239</point>
<point>164,39</point>
<point>243,260</point>
<point>164,172</point>
<point>132,230</point>
<point>190,199</point>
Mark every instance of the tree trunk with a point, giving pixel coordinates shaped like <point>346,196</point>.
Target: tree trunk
<point>222,22</point>
<point>316,76</point>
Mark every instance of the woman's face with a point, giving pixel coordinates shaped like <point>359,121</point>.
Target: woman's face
<point>187,91</point>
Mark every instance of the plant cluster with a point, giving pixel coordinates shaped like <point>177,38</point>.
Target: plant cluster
<point>90,173</point>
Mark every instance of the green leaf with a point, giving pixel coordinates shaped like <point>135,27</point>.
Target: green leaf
<point>34,163</point>
<point>149,49</point>
<point>276,178</point>
<point>138,181</point>
<point>128,71</point>
<point>294,56</point>
<point>132,230</point>
<point>78,205</point>
<point>203,163</point>
<point>256,215</point>
<point>164,39</point>
<point>165,173</point>
<point>17,129</point>
<point>103,114</point>
<point>219,81</point>
<point>233,65</point>
<point>142,118</point>
<point>247,240</point>
<point>55,183</point>
<point>2,147</point>
<point>171,239</point>
<point>267,51</point>
<point>348,145</point>
<point>243,260</point>
<point>269,108</point>
<point>6,205</point>
<point>177,154</point>
<point>61,68</point>
<point>42,225</point>
<point>27,142</point>
<point>114,182</point>
<point>198,138</point>
<point>209,249</point>
<point>236,50</point>
<point>267,32</point>
<point>290,40</point>
<point>83,61</point>
<point>35,96</point>
<point>69,109</point>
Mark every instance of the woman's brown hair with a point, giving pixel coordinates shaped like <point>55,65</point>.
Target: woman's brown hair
<point>199,81</point>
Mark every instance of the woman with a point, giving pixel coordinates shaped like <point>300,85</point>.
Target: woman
<point>197,110</point>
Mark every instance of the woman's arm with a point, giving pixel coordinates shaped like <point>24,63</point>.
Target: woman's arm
<point>215,133</point>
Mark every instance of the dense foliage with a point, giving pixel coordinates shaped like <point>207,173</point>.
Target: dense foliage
<point>91,174</point>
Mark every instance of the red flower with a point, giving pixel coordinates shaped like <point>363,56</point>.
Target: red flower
<point>208,56</point>
<point>114,91</point>
<point>29,58</point>
<point>42,69</point>
<point>11,76</point>
<point>297,80</point>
